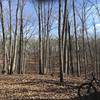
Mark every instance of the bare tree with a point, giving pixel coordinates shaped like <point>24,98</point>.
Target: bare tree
<point>64,36</point>
<point>40,43</point>
<point>10,36</point>
<point>76,41</point>
<point>96,58</point>
<point>59,34</point>
<point>14,57</point>
<point>70,63</point>
<point>3,33</point>
<point>20,61</point>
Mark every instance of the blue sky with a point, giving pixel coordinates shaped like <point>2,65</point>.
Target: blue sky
<point>31,16</point>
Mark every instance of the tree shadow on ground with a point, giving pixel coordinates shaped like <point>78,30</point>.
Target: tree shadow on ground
<point>68,85</point>
<point>56,82</point>
<point>94,96</point>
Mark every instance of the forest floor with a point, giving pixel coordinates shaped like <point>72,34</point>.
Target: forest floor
<point>34,86</point>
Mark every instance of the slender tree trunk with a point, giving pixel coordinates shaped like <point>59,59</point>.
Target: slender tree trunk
<point>64,36</point>
<point>96,58</point>
<point>68,61</point>
<point>40,41</point>
<point>47,38</point>
<point>59,33</point>
<point>76,41</point>
<point>70,51</point>
<point>10,37</point>
<point>20,61</point>
<point>14,57</point>
<point>44,36</point>
<point>3,33</point>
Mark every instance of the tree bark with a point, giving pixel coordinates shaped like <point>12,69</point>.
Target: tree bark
<point>20,60</point>
<point>14,57</point>
<point>40,41</point>
<point>76,41</point>
<point>59,34</point>
<point>3,33</point>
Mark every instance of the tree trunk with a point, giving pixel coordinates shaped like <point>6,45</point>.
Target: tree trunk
<point>10,37</point>
<point>76,41</point>
<point>14,56</point>
<point>40,41</point>
<point>96,58</point>
<point>3,33</point>
<point>59,34</point>
<point>20,60</point>
<point>70,51</point>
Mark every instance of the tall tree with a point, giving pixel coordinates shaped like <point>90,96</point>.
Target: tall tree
<point>20,61</point>
<point>59,34</point>
<point>10,35</point>
<point>3,34</point>
<point>70,50</point>
<point>48,27</point>
<point>96,57</point>
<point>47,39</point>
<point>64,36</point>
<point>76,41</point>
<point>40,43</point>
<point>14,56</point>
